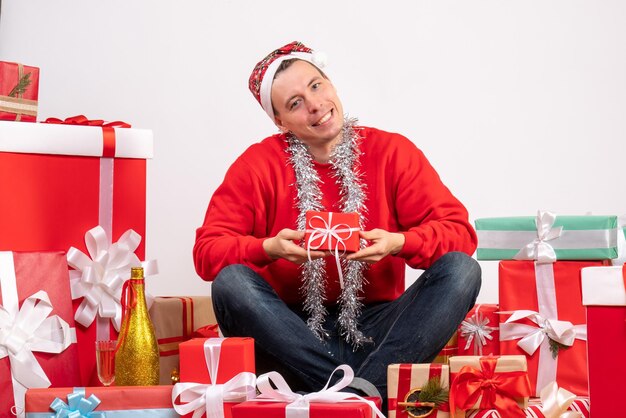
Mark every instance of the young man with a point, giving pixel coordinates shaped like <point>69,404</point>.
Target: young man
<point>268,287</point>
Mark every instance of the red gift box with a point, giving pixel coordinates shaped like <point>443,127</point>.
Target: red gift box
<point>176,320</point>
<point>499,382</point>
<point>546,298</point>
<point>277,400</point>
<point>236,356</point>
<point>19,90</point>
<point>604,294</point>
<point>402,379</point>
<point>36,343</point>
<point>222,361</point>
<point>479,333</point>
<point>68,179</point>
<point>332,231</point>
<point>256,409</point>
<point>125,401</point>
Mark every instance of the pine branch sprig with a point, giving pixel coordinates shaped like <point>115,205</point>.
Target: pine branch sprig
<point>556,346</point>
<point>21,86</point>
<point>433,392</point>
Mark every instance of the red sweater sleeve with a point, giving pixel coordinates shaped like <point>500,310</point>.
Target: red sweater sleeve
<point>232,225</point>
<point>433,221</point>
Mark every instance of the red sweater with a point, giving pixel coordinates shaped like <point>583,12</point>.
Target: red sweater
<point>403,194</point>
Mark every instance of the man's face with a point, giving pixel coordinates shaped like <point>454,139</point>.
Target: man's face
<point>306,104</point>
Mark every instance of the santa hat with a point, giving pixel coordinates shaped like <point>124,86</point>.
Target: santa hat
<point>262,76</point>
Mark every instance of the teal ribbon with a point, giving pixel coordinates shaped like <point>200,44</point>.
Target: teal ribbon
<point>77,406</point>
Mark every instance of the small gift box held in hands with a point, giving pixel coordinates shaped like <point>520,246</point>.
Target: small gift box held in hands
<point>332,231</point>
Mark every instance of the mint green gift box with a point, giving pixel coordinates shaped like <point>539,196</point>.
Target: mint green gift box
<point>565,237</point>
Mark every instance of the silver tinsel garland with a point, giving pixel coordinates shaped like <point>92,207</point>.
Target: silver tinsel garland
<point>345,162</point>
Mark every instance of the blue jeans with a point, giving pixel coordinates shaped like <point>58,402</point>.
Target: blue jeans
<point>411,329</point>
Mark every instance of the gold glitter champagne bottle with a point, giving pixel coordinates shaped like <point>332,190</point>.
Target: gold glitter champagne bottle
<point>137,356</point>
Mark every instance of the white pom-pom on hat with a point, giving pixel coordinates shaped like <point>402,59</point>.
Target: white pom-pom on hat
<point>320,59</point>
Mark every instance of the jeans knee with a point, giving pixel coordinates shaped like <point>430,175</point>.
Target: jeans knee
<point>229,282</point>
<point>465,270</point>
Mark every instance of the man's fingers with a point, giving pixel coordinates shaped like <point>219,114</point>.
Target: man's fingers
<point>290,234</point>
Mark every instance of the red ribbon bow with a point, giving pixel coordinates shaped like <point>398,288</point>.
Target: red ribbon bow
<point>108,131</point>
<point>82,120</point>
<point>498,389</point>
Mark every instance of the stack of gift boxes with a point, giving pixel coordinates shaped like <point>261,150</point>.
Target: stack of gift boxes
<point>544,349</point>
<point>71,225</point>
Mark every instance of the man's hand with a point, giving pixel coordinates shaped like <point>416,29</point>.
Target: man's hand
<point>383,244</point>
<point>282,246</point>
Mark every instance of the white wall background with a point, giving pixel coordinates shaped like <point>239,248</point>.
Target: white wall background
<point>520,105</point>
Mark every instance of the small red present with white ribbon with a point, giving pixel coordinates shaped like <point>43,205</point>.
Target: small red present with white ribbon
<point>216,397</point>
<point>334,232</point>
<point>276,399</point>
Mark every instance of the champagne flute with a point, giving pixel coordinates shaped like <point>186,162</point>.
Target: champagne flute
<point>105,361</point>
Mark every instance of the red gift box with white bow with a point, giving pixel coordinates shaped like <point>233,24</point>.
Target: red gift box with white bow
<point>546,321</point>
<point>37,336</point>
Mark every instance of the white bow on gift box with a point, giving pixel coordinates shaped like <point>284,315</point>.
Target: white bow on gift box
<point>26,329</point>
<point>99,276</point>
<point>298,405</point>
<point>200,398</point>
<point>539,249</point>
<point>555,401</point>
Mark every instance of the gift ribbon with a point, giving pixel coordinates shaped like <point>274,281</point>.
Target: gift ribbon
<point>533,336</point>
<point>105,206</point>
<point>539,249</point>
<point>405,386</point>
<point>77,406</point>
<point>328,232</point>
<point>25,330</point>
<point>210,398</point>
<point>108,130</point>
<point>495,390</point>
<point>555,401</point>
<point>298,405</point>
<point>476,329</point>
<point>99,276</point>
